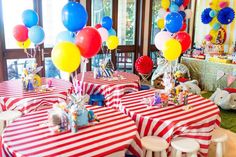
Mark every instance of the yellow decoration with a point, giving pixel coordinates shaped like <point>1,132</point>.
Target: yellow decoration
<point>214,4</point>
<point>25,44</point>
<point>112,42</point>
<point>66,56</point>
<point>213,21</point>
<point>37,81</point>
<point>161,23</point>
<point>214,34</point>
<point>165,4</point>
<point>172,49</point>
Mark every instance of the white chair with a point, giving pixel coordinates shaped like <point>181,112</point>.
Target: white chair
<point>8,116</point>
<point>187,145</point>
<point>219,138</point>
<point>155,144</point>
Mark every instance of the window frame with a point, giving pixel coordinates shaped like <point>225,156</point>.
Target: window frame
<point>6,54</point>
<point>139,23</point>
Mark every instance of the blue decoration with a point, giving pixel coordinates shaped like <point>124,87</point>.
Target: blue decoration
<point>107,22</point>
<point>36,34</point>
<point>173,22</point>
<point>65,36</point>
<point>216,26</point>
<point>30,18</point>
<point>178,2</point>
<point>111,32</point>
<point>226,15</point>
<point>212,13</point>
<point>91,115</point>
<point>174,7</point>
<point>206,16</point>
<point>74,16</point>
<point>182,13</point>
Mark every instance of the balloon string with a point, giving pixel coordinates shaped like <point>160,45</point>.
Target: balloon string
<point>82,78</point>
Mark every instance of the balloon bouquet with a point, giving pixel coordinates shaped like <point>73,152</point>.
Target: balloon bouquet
<point>217,16</point>
<point>111,41</point>
<point>172,40</point>
<point>29,32</point>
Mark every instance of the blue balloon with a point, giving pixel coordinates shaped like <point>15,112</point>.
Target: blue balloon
<point>174,7</point>
<point>216,26</point>
<point>183,14</point>
<point>107,22</point>
<point>173,22</point>
<point>111,32</point>
<point>36,35</point>
<point>65,36</point>
<point>74,16</point>
<point>30,18</point>
<point>212,13</point>
<point>179,2</point>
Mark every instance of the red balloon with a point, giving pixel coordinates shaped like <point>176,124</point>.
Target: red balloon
<point>89,41</point>
<point>98,26</point>
<point>184,39</point>
<point>185,3</point>
<point>184,26</point>
<point>144,65</point>
<point>20,33</point>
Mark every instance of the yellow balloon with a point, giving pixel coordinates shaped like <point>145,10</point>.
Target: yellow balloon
<point>165,4</point>
<point>66,56</point>
<point>214,4</point>
<point>172,49</point>
<point>25,44</point>
<point>112,42</point>
<point>161,23</point>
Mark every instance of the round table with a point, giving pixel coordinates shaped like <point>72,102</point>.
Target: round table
<point>173,121</point>
<point>112,136</point>
<point>13,97</point>
<point>112,89</point>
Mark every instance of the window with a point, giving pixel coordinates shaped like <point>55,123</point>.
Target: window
<point>16,66</point>
<point>100,8</point>
<point>12,10</point>
<point>125,61</point>
<point>154,29</point>
<point>52,23</point>
<point>126,21</point>
<point>153,53</point>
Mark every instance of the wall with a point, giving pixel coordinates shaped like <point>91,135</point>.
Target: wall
<point>203,29</point>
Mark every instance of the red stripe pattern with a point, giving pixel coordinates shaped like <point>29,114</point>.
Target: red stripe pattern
<point>173,121</point>
<point>29,136</point>
<point>13,97</point>
<point>112,90</point>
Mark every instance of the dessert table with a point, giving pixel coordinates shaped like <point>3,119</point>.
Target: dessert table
<point>206,73</point>
<point>112,89</point>
<point>173,121</point>
<point>112,136</point>
<point>13,97</point>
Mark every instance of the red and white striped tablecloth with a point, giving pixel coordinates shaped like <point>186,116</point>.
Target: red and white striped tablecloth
<point>112,90</point>
<point>114,134</point>
<point>173,121</point>
<point>13,97</point>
